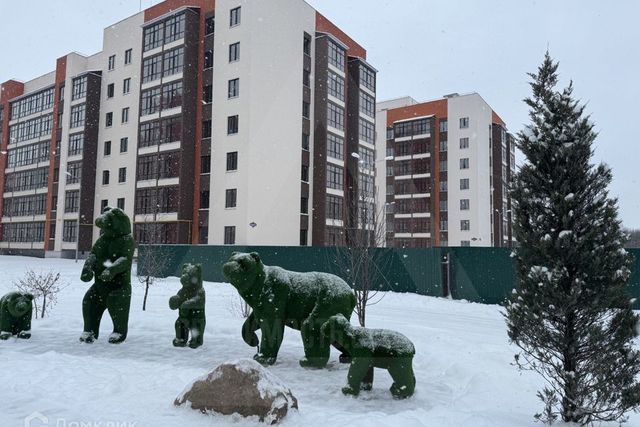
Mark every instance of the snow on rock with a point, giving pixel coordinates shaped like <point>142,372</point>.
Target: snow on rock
<point>240,387</point>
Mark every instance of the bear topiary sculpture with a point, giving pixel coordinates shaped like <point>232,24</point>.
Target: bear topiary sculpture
<point>110,263</point>
<point>189,302</point>
<point>279,298</point>
<point>374,348</point>
<point>16,309</point>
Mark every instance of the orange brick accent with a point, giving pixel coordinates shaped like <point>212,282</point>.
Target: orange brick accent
<point>323,25</point>
<point>168,5</point>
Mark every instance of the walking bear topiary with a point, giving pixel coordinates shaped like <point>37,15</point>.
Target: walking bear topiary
<point>110,263</point>
<point>374,348</point>
<point>189,302</point>
<point>279,298</point>
<point>16,309</point>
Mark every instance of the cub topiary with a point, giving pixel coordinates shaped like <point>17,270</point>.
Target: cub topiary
<point>110,263</point>
<point>374,348</point>
<point>190,303</point>
<point>16,309</point>
<point>279,298</point>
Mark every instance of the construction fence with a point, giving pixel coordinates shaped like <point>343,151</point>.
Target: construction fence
<point>484,275</point>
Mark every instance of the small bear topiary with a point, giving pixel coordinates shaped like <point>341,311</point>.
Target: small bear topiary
<point>279,298</point>
<point>16,309</point>
<point>190,303</point>
<point>374,348</point>
<point>110,263</point>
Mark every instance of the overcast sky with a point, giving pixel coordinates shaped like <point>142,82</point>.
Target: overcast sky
<point>424,49</point>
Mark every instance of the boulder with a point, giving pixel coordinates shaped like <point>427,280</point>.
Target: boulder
<point>243,387</point>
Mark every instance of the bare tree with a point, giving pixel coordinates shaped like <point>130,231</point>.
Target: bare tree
<point>360,261</point>
<point>154,261</point>
<point>44,287</point>
<point>239,307</point>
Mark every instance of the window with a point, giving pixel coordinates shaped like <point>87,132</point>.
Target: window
<point>390,134</point>
<point>151,68</point>
<point>464,204</point>
<point>368,78</point>
<point>110,90</point>
<point>205,164</point>
<point>234,88</point>
<point>443,206</point>
<point>334,207</point>
<point>172,95</point>
<point>465,243</point>
<point>306,44</point>
<point>367,131</point>
<point>109,119</point>
<point>205,197</point>
<point>304,205</point>
<point>230,199</point>
<point>304,173</point>
<point>335,85</point>
<point>76,142</point>
<point>103,204</point>
<point>127,56</point>
<point>304,237</point>
<point>209,25</point>
<point>464,143</point>
<point>234,52</point>
<point>444,125</point>
<point>77,116</point>
<point>464,184</point>
<point>124,145</point>
<point>229,235</point>
<point>173,62</point>
<point>125,115</point>
<point>367,104</point>
<point>79,88</point>
<point>105,177</point>
<point>69,230</point>
<point>305,141</point>
<point>234,17</point>
<point>122,175</point>
<point>208,59</point>
<point>443,145</point>
<point>335,146</point>
<point>367,157</point>
<point>112,62</point>
<point>207,94</point>
<point>174,28</point>
<point>306,109</point>
<point>150,101</point>
<point>465,225</point>
<point>443,165</point>
<point>464,163</point>
<point>464,122</point>
<point>126,86</point>
<point>74,172</point>
<point>306,78</point>
<point>232,161</point>
<point>206,129</point>
<point>153,36</point>
<point>336,55</point>
<point>120,203</point>
<point>443,186</point>
<point>232,125</point>
<point>71,201</point>
<point>335,177</point>
<point>335,117</point>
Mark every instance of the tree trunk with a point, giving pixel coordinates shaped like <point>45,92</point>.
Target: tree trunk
<point>146,292</point>
<point>44,304</point>
<point>569,365</point>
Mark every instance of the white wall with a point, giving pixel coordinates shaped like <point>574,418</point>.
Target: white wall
<point>270,110</point>
<point>478,132</point>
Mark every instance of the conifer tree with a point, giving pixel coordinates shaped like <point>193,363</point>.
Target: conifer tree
<point>571,315</point>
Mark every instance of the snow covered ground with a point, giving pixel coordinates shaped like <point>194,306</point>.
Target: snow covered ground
<point>462,365</point>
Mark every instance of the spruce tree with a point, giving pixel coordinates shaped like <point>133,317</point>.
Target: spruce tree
<point>571,315</point>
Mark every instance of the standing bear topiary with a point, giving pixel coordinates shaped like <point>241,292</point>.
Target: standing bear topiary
<point>374,348</point>
<point>15,315</point>
<point>110,263</point>
<point>189,302</point>
<point>279,298</point>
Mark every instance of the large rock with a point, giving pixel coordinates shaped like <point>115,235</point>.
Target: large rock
<point>242,387</point>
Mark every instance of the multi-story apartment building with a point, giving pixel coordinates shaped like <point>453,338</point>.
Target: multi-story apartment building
<point>447,165</point>
<point>226,122</point>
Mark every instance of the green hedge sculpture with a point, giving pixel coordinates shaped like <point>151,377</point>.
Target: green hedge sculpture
<point>279,298</point>
<point>189,302</point>
<point>16,309</point>
<point>110,263</point>
<point>374,348</point>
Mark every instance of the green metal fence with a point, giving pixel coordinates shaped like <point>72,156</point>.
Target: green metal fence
<point>485,275</point>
